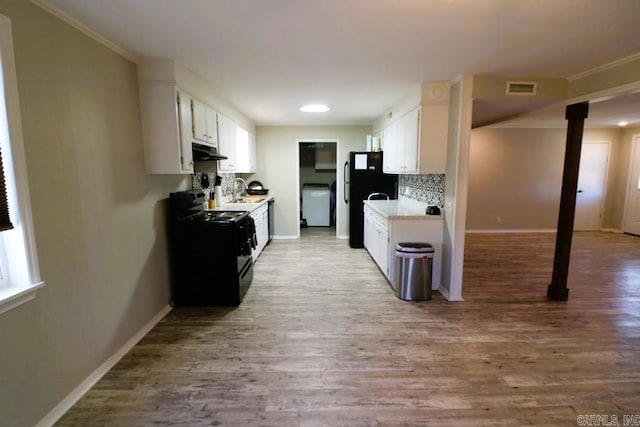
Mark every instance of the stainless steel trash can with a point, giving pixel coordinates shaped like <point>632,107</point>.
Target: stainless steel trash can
<point>414,264</point>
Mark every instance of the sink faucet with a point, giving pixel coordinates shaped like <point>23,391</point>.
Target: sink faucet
<point>244,189</point>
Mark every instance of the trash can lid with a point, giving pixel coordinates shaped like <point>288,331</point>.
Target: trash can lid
<point>415,247</point>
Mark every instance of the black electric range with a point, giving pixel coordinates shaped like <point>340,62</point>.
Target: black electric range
<point>210,251</point>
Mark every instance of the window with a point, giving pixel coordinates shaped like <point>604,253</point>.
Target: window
<point>4,277</point>
<point>19,273</point>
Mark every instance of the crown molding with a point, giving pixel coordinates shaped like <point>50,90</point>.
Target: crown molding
<point>65,17</point>
<point>604,67</point>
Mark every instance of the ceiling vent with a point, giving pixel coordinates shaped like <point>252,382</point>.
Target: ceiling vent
<point>521,88</point>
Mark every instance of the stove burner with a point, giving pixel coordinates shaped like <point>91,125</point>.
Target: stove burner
<point>224,216</point>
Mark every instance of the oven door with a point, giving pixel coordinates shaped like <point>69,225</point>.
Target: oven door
<point>245,274</point>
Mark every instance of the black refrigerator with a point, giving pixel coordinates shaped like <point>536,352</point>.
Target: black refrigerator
<point>362,177</point>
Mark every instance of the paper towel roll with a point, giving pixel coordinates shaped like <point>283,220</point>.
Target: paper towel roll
<point>218,195</point>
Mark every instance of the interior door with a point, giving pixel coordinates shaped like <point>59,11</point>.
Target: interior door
<point>632,211</point>
<point>592,180</point>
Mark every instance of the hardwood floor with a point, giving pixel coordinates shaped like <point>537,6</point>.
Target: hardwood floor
<point>321,340</point>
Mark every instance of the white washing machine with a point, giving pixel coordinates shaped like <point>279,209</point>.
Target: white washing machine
<point>316,204</point>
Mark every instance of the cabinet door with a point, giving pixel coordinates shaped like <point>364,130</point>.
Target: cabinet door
<point>255,252</point>
<point>367,230</point>
<point>227,131</point>
<point>390,147</point>
<point>383,250</point>
<point>401,140</point>
<point>245,151</point>
<point>434,129</point>
<point>184,125</point>
<point>265,228</point>
<point>211,119</point>
<point>410,138</point>
<point>252,152</point>
<point>205,123</point>
<point>199,120</point>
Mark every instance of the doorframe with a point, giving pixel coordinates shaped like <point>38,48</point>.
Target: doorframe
<point>606,178</point>
<point>635,140</point>
<point>338,208</point>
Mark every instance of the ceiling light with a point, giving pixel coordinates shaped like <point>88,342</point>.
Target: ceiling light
<point>623,123</point>
<point>314,108</point>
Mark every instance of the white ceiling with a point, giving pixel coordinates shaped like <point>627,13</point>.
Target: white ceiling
<point>268,57</point>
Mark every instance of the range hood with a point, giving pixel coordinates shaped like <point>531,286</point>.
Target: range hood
<point>203,153</point>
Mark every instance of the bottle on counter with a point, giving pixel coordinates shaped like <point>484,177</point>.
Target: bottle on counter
<point>212,200</point>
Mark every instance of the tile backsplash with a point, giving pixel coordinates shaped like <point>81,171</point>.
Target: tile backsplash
<point>227,182</point>
<point>427,189</point>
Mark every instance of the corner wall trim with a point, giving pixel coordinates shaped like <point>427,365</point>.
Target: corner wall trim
<point>61,408</point>
<point>446,294</point>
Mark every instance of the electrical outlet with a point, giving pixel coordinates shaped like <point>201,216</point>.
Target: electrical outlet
<point>499,220</point>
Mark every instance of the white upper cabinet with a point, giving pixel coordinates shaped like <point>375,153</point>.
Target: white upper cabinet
<point>434,122</point>
<point>246,149</point>
<point>173,119</point>
<point>166,128</point>
<point>417,141</point>
<point>205,123</point>
<point>238,144</point>
<point>227,135</point>
<point>401,144</point>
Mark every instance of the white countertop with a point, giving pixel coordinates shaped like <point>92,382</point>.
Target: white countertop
<point>401,209</point>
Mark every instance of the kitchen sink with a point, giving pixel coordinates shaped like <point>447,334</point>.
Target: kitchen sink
<point>255,199</point>
<point>248,204</point>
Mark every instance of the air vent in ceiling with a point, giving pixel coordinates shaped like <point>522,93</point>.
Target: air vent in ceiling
<point>521,88</point>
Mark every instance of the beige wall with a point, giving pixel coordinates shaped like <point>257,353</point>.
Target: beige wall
<point>277,152</point>
<point>516,174</point>
<point>98,218</point>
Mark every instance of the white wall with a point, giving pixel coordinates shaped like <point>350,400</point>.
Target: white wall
<point>277,151</point>
<point>99,219</point>
<point>455,191</point>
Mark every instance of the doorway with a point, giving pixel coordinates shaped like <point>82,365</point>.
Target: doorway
<point>317,187</point>
<point>592,185</point>
<point>631,222</point>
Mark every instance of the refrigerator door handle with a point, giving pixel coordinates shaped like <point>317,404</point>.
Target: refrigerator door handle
<point>346,182</point>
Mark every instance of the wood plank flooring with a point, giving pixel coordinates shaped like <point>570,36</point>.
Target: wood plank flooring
<point>320,340</point>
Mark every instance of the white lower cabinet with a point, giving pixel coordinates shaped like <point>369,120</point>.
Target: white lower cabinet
<point>261,219</point>
<point>376,239</point>
<point>381,234</point>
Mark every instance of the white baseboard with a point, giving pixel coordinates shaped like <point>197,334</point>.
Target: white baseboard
<point>61,408</point>
<point>611,230</point>
<point>285,237</point>
<point>551,230</point>
<point>343,236</point>
<point>604,230</point>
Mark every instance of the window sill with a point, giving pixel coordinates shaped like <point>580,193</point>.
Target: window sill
<point>15,296</point>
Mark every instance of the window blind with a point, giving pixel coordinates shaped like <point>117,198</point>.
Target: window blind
<point>5,222</point>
